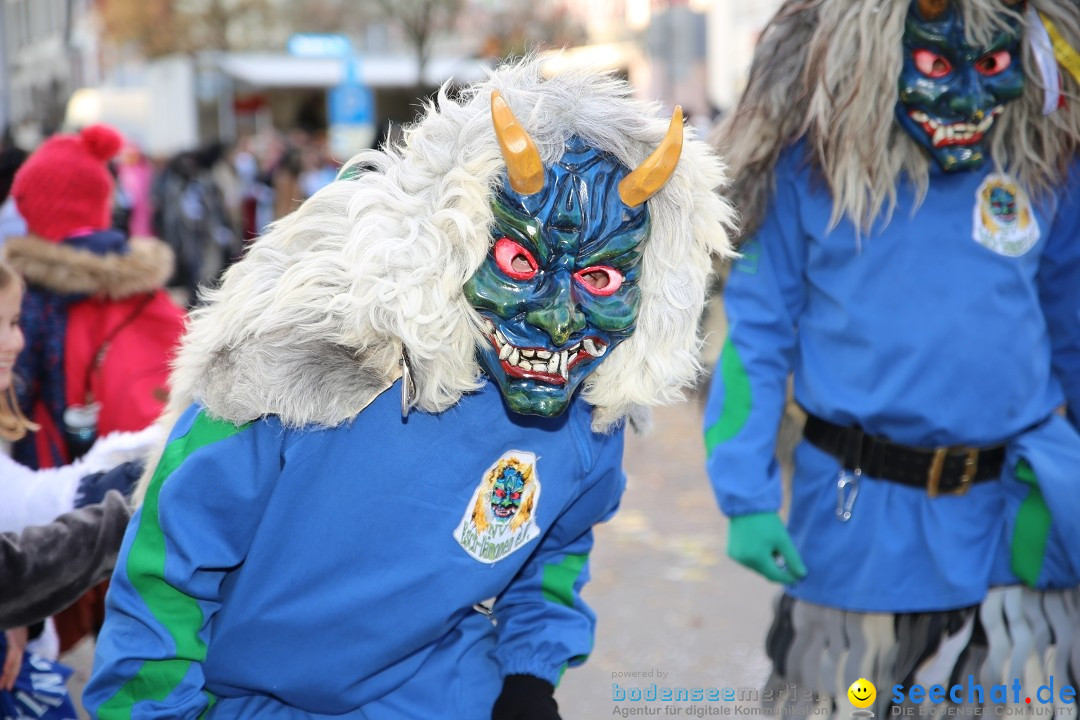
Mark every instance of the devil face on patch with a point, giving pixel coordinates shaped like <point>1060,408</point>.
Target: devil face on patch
<point>501,515</point>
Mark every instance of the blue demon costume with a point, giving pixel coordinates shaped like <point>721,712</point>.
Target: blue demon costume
<point>343,486</point>
<point>912,262</point>
<point>942,341</point>
<point>370,545</point>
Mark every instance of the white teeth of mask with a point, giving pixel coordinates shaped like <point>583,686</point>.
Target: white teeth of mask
<point>961,131</point>
<point>540,360</point>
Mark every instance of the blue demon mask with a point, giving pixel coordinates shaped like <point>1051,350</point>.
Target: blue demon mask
<point>951,92</point>
<point>506,494</point>
<point>559,287</point>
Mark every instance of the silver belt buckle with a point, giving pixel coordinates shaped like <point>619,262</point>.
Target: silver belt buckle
<point>845,498</point>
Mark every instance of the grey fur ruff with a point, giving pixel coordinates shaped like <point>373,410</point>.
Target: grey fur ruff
<point>828,71</point>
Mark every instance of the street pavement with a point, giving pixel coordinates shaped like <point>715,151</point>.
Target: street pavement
<point>667,597</point>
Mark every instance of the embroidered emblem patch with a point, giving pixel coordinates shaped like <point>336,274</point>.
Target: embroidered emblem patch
<point>500,517</point>
<point>1003,221</point>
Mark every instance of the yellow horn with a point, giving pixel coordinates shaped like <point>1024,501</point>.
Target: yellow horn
<point>932,9</point>
<point>523,164</point>
<point>651,175</point>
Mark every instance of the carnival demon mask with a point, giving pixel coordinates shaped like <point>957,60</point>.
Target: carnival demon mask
<point>559,288</point>
<point>506,494</point>
<point>951,92</point>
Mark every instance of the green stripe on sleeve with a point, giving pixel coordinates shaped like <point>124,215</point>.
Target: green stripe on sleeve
<point>737,399</point>
<point>178,613</point>
<point>560,578</point>
<point>211,700</point>
<point>558,587</point>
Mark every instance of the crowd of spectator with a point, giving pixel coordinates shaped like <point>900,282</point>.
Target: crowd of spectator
<point>208,203</point>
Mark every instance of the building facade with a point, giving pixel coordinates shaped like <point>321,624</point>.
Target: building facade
<point>49,48</point>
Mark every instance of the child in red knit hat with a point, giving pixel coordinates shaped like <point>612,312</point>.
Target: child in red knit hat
<point>65,189</point>
<point>100,330</point>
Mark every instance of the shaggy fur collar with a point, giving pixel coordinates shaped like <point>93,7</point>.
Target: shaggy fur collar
<point>64,269</point>
<point>311,324</point>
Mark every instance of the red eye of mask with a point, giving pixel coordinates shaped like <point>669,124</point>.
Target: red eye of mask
<point>931,64</point>
<point>514,260</point>
<point>600,279</point>
<point>994,63</point>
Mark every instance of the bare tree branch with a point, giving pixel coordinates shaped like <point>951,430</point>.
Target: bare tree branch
<point>162,27</point>
<point>421,21</point>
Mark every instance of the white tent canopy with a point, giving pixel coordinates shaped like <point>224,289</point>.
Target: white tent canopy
<point>378,71</point>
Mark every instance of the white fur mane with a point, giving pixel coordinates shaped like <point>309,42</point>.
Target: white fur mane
<point>310,325</point>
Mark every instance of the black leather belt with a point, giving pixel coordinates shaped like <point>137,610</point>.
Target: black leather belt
<point>940,471</point>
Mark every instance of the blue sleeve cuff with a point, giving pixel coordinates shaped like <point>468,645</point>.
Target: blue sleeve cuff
<point>536,668</point>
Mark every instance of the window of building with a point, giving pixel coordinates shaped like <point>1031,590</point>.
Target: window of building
<point>23,12</point>
<point>33,9</point>
<point>48,17</point>
<point>11,27</point>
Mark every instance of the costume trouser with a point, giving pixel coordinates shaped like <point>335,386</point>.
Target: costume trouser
<point>1016,633</point>
<point>1013,633</point>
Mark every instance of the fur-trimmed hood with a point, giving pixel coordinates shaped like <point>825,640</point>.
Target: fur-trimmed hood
<point>68,270</point>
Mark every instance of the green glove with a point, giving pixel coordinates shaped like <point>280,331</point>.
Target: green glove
<point>1028,547</point>
<point>758,541</point>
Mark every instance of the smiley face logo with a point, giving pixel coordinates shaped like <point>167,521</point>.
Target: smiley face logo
<point>862,693</point>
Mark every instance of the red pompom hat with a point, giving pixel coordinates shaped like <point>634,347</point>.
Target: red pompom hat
<point>64,187</point>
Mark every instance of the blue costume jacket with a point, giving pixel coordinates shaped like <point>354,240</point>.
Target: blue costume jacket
<point>277,573</point>
<point>955,324</point>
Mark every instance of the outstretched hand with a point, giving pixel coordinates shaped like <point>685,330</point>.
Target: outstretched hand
<point>123,478</point>
<point>525,697</point>
<point>762,543</point>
